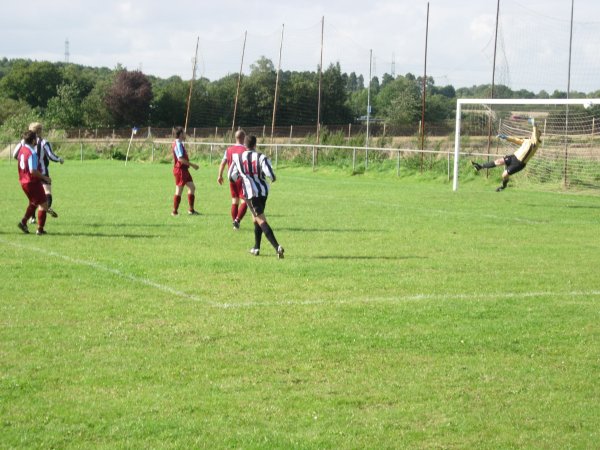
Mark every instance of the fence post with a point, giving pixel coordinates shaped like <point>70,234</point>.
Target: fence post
<point>398,165</point>
<point>354,159</point>
<point>276,155</point>
<point>152,150</point>
<point>80,146</point>
<point>210,154</point>
<point>291,129</point>
<point>313,158</point>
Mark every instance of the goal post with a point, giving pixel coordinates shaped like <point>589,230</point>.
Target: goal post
<point>563,122</point>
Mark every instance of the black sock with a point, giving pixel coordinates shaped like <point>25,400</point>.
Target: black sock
<point>269,234</point>
<point>49,200</point>
<point>488,165</point>
<point>257,235</point>
<point>504,183</point>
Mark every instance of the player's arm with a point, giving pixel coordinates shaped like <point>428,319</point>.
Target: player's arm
<point>267,169</point>
<point>187,162</point>
<point>51,154</point>
<point>514,140</point>
<point>233,173</point>
<point>16,151</point>
<point>221,168</point>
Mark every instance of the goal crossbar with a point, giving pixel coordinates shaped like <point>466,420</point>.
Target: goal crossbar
<point>505,101</point>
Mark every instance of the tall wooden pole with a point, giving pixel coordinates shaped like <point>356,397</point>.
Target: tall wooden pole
<point>566,171</point>
<point>277,84</point>
<point>320,81</point>
<point>189,101</point>
<point>424,90</point>
<point>492,93</point>
<point>237,91</point>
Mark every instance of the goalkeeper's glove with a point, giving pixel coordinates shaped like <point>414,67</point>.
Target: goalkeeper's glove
<point>531,121</point>
<point>502,136</point>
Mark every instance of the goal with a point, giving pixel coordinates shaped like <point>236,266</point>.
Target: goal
<point>569,155</point>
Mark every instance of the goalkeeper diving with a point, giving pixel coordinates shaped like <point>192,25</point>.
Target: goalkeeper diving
<point>518,160</point>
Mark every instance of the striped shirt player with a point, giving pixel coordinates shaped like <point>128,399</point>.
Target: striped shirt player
<point>254,168</point>
<point>31,180</point>
<point>181,172</point>
<point>238,205</point>
<point>518,160</point>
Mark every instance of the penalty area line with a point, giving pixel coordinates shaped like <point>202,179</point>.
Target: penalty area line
<point>290,303</point>
<point>110,270</point>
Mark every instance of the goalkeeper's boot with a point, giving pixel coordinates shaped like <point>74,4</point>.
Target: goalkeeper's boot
<point>255,251</point>
<point>280,252</point>
<point>476,166</point>
<point>499,188</point>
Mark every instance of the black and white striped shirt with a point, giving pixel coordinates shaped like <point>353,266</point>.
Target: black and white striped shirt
<point>254,168</point>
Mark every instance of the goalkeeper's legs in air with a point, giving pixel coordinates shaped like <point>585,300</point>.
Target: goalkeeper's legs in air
<point>487,165</point>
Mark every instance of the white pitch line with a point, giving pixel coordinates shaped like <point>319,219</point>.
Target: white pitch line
<point>96,266</point>
<point>365,300</point>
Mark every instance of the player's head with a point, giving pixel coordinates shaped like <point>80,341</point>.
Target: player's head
<point>29,137</point>
<point>240,135</point>
<point>36,127</point>
<point>179,133</point>
<point>250,142</point>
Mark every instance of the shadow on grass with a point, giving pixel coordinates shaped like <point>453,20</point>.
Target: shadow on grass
<point>383,258</point>
<point>102,235</point>
<point>330,230</point>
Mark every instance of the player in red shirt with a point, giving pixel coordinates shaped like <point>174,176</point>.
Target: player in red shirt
<point>238,205</point>
<point>181,171</point>
<point>31,180</point>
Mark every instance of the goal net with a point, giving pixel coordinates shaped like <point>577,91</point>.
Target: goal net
<point>569,155</point>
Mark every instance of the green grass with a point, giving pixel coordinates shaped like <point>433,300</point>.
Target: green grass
<point>405,315</point>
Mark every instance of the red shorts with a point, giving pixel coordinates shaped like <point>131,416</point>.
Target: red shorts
<point>35,193</point>
<point>182,177</point>
<point>236,189</point>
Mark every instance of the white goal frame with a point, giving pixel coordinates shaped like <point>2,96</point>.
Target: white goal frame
<point>505,101</point>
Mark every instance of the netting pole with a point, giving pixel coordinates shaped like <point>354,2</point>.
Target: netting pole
<point>237,91</point>
<point>456,146</point>
<point>320,82</point>
<point>189,101</point>
<point>424,94</point>
<point>277,85</point>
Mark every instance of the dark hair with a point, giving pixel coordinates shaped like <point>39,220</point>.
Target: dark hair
<point>250,141</point>
<point>179,131</point>
<point>29,137</point>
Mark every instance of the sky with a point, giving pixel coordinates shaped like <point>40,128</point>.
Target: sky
<point>377,37</point>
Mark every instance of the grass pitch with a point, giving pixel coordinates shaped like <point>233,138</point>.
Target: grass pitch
<point>404,315</point>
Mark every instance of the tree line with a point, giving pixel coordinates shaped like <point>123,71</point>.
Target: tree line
<point>66,95</point>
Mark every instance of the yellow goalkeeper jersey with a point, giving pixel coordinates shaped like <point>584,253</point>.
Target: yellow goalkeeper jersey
<point>528,147</point>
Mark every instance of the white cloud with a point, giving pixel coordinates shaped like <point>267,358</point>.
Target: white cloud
<point>160,36</point>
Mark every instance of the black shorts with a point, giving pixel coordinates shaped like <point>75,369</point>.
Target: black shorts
<point>513,165</point>
<point>257,205</point>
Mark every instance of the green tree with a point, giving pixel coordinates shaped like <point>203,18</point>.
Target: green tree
<point>32,82</point>
<point>65,110</point>
<point>334,97</point>
<point>170,102</point>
